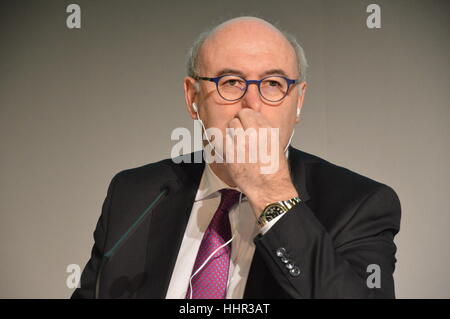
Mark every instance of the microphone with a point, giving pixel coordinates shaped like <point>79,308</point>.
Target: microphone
<point>170,186</point>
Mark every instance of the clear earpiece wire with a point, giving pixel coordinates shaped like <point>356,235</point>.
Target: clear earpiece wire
<point>290,140</point>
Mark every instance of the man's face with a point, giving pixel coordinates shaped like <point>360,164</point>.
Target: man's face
<point>252,50</point>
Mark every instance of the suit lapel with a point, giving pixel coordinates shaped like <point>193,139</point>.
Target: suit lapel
<point>167,228</point>
<point>298,173</point>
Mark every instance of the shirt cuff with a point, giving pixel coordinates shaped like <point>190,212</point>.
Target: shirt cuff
<point>268,225</point>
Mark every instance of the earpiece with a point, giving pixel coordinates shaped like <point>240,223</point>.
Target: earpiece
<point>298,112</point>
<point>195,108</point>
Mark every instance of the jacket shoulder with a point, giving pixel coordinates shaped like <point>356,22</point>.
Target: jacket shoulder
<point>337,189</point>
<point>154,171</point>
<point>157,173</point>
<point>330,175</point>
<point>338,194</point>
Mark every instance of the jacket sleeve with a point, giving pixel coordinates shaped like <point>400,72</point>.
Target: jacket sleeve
<point>358,261</point>
<point>89,275</point>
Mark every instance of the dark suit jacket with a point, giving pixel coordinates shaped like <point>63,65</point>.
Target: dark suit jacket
<point>344,223</point>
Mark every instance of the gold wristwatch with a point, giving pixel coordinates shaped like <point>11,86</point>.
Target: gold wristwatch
<point>275,209</point>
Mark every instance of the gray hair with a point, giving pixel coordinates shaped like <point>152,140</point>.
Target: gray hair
<point>192,61</point>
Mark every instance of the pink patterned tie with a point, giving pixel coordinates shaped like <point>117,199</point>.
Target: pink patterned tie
<point>211,281</point>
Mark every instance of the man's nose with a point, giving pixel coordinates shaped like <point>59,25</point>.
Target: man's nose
<point>252,98</point>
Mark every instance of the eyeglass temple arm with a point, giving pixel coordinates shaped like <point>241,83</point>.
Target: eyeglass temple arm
<point>204,78</point>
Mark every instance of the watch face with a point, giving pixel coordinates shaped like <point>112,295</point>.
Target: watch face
<point>273,211</point>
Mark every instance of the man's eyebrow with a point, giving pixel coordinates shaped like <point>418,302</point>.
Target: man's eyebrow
<point>240,73</point>
<point>274,72</point>
<point>229,71</point>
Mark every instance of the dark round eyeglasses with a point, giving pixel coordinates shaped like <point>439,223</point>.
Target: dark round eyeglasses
<point>233,87</point>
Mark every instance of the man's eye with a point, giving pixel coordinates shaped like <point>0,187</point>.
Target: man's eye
<point>274,83</point>
<point>234,83</point>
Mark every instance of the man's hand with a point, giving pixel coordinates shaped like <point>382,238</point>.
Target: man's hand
<point>260,189</point>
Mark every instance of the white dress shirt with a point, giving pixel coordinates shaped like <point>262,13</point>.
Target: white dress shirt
<point>244,228</point>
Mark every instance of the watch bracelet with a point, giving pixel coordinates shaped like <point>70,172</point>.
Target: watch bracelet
<point>286,204</point>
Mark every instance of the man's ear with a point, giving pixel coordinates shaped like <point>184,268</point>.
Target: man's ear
<point>302,90</point>
<point>190,95</point>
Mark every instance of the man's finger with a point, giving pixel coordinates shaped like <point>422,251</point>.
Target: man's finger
<point>235,123</point>
<point>248,118</point>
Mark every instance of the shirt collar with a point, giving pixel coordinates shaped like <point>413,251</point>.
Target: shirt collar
<point>210,184</point>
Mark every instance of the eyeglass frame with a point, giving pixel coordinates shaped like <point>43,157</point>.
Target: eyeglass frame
<point>247,83</point>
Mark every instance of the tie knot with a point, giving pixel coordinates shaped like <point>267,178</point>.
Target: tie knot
<point>229,198</point>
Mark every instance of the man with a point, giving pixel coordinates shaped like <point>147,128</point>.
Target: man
<point>310,229</point>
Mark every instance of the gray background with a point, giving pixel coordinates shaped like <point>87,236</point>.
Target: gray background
<point>77,106</point>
